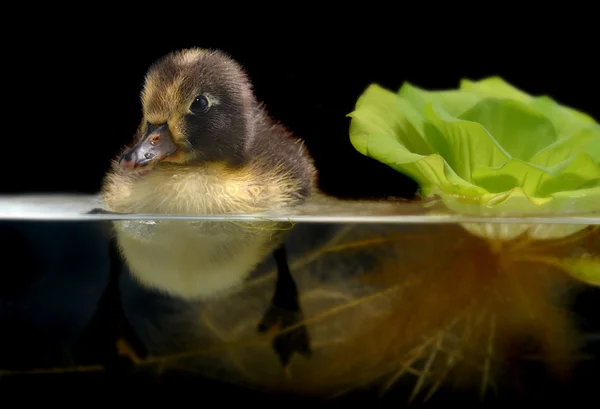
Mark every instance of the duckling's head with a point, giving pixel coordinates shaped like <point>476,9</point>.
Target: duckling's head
<point>198,107</point>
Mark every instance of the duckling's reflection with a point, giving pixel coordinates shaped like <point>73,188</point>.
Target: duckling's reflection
<point>111,330</point>
<point>205,145</point>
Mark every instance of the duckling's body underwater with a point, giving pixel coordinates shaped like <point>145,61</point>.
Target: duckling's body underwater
<point>205,147</point>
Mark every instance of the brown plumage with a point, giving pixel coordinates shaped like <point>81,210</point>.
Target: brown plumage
<point>239,147</point>
<point>205,146</point>
<point>232,159</point>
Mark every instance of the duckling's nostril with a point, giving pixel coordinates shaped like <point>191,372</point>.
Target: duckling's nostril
<point>149,155</point>
<point>154,140</point>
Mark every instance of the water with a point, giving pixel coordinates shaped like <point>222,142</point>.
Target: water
<point>400,303</point>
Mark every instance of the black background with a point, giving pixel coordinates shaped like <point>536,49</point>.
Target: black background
<point>72,78</point>
<point>73,83</point>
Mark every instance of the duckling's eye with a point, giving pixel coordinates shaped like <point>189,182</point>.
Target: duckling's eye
<point>199,105</point>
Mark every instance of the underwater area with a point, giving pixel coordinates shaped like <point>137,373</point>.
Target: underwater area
<point>401,303</point>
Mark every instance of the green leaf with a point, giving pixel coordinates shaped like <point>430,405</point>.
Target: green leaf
<point>585,141</point>
<point>453,102</point>
<point>567,122</point>
<point>518,202</point>
<point>380,130</point>
<point>593,145</point>
<point>583,200</point>
<point>514,173</point>
<point>486,148</point>
<point>463,144</point>
<point>519,129</point>
<point>494,87</point>
<point>576,173</point>
<point>585,269</point>
<point>378,111</point>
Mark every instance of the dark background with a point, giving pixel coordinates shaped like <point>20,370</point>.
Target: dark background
<point>73,83</point>
<point>72,79</point>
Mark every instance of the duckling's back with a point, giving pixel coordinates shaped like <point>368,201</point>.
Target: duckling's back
<point>280,155</point>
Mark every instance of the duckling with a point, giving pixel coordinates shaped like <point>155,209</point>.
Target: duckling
<point>206,146</point>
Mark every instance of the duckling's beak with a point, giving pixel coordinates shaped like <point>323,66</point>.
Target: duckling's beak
<point>154,147</point>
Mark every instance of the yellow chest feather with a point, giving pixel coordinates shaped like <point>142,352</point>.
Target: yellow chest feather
<point>208,191</point>
<point>195,259</point>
